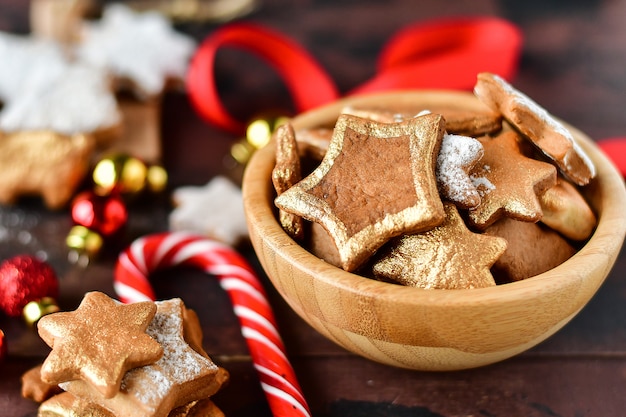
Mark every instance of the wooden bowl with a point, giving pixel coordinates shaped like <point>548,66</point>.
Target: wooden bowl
<point>431,329</point>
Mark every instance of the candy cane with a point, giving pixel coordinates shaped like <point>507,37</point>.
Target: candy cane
<point>258,326</point>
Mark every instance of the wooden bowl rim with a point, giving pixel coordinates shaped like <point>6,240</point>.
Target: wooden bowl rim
<point>607,238</point>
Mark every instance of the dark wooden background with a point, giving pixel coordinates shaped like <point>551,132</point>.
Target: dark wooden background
<point>573,62</point>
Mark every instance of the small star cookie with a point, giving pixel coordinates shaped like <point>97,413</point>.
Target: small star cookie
<point>34,388</point>
<point>139,48</point>
<point>447,257</point>
<point>77,338</point>
<point>285,174</point>
<point>214,210</point>
<point>533,121</point>
<point>376,181</point>
<point>514,181</point>
<point>179,377</point>
<point>457,157</point>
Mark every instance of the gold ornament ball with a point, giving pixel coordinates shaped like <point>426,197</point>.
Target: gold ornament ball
<point>83,240</point>
<point>125,173</point>
<point>35,310</point>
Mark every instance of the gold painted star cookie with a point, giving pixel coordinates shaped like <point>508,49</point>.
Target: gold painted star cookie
<point>449,256</point>
<point>376,181</point>
<point>534,122</point>
<point>285,174</point>
<point>509,182</point>
<point>77,339</point>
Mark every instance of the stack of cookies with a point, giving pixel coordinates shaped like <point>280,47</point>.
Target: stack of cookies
<point>438,198</point>
<point>110,359</point>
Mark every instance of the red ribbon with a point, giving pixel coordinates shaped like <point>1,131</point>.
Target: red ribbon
<point>447,53</point>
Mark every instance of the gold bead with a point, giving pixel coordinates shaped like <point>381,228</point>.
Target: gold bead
<point>156,178</point>
<point>35,310</point>
<point>83,240</point>
<point>125,173</point>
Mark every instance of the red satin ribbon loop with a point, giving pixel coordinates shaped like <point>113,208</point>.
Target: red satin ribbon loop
<point>446,54</point>
<point>308,83</point>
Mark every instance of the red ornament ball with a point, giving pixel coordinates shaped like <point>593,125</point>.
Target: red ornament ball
<point>103,214</point>
<point>23,279</point>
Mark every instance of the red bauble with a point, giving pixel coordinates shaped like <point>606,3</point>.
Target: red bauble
<point>103,214</point>
<point>23,279</point>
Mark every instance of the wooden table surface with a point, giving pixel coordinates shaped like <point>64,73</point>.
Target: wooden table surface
<point>573,62</point>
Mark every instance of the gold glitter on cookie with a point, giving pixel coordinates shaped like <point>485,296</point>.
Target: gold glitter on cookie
<point>447,257</point>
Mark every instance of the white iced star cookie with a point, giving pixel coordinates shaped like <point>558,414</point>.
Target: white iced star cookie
<point>43,90</point>
<point>214,210</point>
<point>137,48</point>
<point>79,100</point>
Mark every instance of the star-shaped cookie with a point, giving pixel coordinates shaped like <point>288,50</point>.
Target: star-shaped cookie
<point>285,174</point>
<point>181,376</point>
<point>214,210</point>
<point>449,256</point>
<point>533,121</point>
<point>376,181</point>
<point>515,182</point>
<point>77,339</point>
<point>140,48</point>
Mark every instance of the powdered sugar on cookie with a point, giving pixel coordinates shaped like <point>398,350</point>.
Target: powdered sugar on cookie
<point>77,100</point>
<point>457,156</point>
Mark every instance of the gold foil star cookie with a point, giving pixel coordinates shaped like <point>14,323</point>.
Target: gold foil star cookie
<point>77,338</point>
<point>509,182</point>
<point>533,121</point>
<point>376,181</point>
<point>447,257</point>
<point>285,174</point>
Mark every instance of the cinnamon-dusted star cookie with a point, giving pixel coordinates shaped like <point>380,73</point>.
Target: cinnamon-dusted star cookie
<point>567,212</point>
<point>532,249</point>
<point>181,376</point>
<point>447,257</point>
<point>510,182</point>
<point>376,181</point>
<point>140,49</point>
<point>34,388</point>
<point>98,342</point>
<point>285,174</point>
<point>214,210</point>
<point>533,121</point>
<point>457,157</point>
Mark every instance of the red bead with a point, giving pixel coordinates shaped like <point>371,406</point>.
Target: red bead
<point>103,214</point>
<point>23,279</point>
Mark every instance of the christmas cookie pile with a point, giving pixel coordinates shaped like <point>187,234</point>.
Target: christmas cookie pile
<point>113,359</point>
<point>440,198</point>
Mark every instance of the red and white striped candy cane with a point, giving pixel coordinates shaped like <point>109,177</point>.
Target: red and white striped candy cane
<point>258,326</point>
